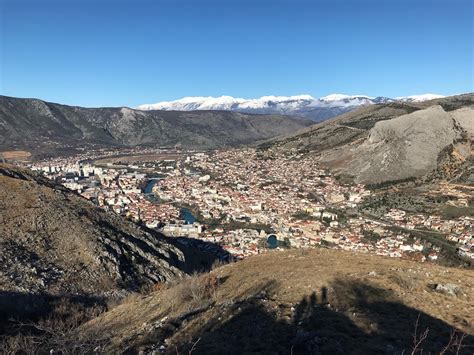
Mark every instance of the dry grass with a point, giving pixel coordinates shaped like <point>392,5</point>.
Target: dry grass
<point>358,295</point>
<point>17,344</point>
<point>9,182</point>
<point>54,331</point>
<point>150,288</point>
<point>198,291</point>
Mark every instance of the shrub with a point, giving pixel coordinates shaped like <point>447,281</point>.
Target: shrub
<point>150,288</point>
<point>199,290</point>
<point>56,332</point>
<point>218,263</point>
<point>17,344</point>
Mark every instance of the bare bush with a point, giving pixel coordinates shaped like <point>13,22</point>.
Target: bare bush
<point>454,345</point>
<point>418,338</point>
<point>159,286</point>
<point>218,263</point>
<point>17,344</point>
<point>55,333</point>
<point>128,299</point>
<point>200,290</point>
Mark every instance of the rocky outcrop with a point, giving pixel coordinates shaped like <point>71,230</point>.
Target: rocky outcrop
<point>392,142</point>
<point>403,147</point>
<point>54,241</point>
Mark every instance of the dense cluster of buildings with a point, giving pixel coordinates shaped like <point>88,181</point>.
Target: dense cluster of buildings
<point>240,197</point>
<point>303,204</point>
<point>120,190</point>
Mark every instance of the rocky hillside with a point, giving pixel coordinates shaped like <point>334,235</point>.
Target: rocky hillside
<point>56,242</point>
<point>392,141</point>
<point>302,302</point>
<point>38,127</point>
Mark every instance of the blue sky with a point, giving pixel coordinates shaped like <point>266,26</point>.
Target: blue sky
<point>114,53</point>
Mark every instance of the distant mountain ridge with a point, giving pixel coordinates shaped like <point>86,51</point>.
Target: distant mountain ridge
<point>43,127</point>
<point>393,141</point>
<point>316,109</point>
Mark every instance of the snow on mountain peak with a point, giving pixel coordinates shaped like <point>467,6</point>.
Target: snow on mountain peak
<point>221,103</point>
<point>298,105</point>
<point>419,98</point>
<point>285,98</point>
<point>341,97</point>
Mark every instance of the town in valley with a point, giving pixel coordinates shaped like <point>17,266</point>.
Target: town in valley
<point>249,201</point>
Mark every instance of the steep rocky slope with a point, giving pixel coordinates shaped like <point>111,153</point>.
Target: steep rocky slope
<point>391,141</point>
<point>403,147</point>
<point>316,301</point>
<point>41,127</point>
<point>56,242</point>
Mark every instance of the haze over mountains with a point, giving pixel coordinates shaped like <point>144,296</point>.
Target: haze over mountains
<point>316,109</point>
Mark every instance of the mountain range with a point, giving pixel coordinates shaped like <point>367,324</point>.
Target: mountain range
<point>63,260</point>
<point>43,127</point>
<point>316,109</point>
<point>392,141</point>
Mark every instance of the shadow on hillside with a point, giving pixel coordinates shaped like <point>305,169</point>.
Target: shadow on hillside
<point>200,255</point>
<point>24,308</point>
<point>344,318</point>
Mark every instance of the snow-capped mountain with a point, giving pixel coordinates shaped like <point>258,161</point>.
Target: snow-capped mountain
<point>317,109</point>
<point>419,98</point>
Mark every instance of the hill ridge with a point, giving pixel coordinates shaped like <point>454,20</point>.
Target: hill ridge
<point>346,143</point>
<point>42,127</point>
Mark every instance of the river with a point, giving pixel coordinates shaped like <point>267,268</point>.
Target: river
<point>188,216</point>
<point>149,186</point>
<point>186,213</point>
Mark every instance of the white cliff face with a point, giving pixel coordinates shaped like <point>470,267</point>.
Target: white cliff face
<point>405,146</point>
<point>317,109</point>
<point>465,118</point>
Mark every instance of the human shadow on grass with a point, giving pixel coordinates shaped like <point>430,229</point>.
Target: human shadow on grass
<point>364,319</point>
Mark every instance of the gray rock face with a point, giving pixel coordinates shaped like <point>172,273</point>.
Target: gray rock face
<point>392,141</point>
<point>54,241</point>
<point>449,289</point>
<point>404,147</point>
<point>465,118</point>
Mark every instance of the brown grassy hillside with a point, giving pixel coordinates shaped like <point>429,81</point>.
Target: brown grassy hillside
<point>315,301</point>
<point>53,240</point>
